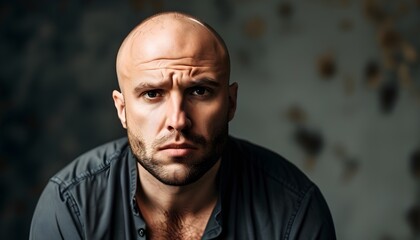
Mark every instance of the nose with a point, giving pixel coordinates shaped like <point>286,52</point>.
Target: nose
<point>177,117</point>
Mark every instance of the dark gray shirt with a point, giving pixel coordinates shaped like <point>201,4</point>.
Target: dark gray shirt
<point>262,196</point>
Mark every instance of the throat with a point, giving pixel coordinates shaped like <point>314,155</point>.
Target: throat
<point>183,220</point>
<point>173,212</point>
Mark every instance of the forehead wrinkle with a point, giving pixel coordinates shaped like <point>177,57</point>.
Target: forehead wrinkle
<point>190,73</point>
<point>163,59</point>
<point>152,65</point>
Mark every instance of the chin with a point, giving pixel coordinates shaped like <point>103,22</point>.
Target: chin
<point>178,173</point>
<point>178,177</point>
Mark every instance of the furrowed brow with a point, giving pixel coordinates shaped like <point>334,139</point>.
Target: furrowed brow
<point>159,85</point>
<point>206,81</point>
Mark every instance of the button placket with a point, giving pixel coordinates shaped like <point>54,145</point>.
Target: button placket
<point>135,207</point>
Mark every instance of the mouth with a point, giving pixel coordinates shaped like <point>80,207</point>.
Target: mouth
<point>178,146</point>
<point>178,150</point>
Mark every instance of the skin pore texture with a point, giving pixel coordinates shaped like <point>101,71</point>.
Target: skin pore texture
<point>176,103</point>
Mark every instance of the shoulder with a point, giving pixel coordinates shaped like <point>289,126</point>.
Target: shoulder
<point>271,165</point>
<point>265,183</point>
<point>91,163</point>
<point>64,207</point>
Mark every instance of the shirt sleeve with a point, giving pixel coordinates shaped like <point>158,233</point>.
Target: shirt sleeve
<point>55,216</point>
<point>313,219</point>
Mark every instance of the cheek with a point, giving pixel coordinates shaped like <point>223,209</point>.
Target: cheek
<point>143,120</point>
<point>209,118</point>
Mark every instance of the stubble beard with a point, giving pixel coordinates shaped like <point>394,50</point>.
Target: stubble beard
<point>195,168</point>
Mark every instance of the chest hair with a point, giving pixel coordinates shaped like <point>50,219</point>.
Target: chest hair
<point>174,227</point>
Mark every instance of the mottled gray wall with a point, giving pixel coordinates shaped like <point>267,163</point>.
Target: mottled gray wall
<point>304,91</point>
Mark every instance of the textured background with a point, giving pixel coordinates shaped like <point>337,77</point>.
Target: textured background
<point>332,85</point>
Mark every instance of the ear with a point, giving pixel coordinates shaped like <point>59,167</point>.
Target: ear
<point>120,106</point>
<point>233,90</point>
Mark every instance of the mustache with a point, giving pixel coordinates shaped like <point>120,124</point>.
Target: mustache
<point>188,136</point>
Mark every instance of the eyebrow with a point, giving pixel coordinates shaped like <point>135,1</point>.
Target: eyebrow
<point>206,81</point>
<point>147,85</point>
<point>194,82</point>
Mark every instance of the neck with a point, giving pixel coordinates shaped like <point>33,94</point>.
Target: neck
<point>157,199</point>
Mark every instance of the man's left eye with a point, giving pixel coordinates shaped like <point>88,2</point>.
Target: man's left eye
<point>200,91</point>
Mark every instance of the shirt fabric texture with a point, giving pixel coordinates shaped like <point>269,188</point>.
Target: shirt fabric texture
<point>261,196</point>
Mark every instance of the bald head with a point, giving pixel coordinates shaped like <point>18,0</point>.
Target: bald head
<point>171,36</point>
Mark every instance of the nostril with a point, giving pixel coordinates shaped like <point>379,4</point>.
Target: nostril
<point>178,122</point>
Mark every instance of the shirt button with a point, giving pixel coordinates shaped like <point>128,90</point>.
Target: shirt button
<point>141,232</point>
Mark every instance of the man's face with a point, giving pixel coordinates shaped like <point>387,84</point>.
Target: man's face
<point>177,105</point>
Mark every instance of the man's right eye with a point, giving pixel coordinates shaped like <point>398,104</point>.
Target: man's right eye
<point>152,94</point>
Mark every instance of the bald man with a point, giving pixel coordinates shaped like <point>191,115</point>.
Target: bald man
<point>178,174</point>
